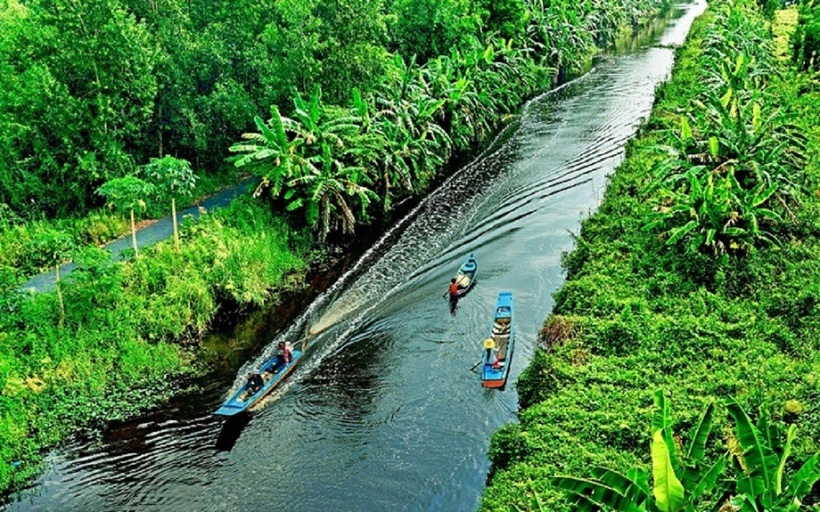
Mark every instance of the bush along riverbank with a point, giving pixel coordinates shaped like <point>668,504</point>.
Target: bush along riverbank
<point>346,162</point>
<point>126,333</point>
<point>691,301</point>
<point>113,341</point>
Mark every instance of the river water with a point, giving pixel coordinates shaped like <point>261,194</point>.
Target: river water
<point>384,413</point>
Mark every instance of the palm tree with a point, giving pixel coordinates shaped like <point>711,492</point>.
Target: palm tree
<point>272,154</point>
<point>323,190</point>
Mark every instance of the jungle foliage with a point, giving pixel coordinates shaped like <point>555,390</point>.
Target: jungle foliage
<point>700,311</point>
<point>127,327</point>
<point>459,69</point>
<point>806,40</point>
<point>132,99</point>
<point>94,92</point>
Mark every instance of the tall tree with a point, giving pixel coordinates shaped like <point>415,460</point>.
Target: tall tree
<point>82,91</point>
<point>175,178</point>
<point>428,28</point>
<point>127,194</point>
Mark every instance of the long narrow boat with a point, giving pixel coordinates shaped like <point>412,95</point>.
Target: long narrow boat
<point>498,348</point>
<point>273,372</point>
<point>466,275</point>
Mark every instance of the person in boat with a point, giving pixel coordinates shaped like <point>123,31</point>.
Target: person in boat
<point>453,290</point>
<point>255,382</point>
<point>286,353</point>
<point>489,348</point>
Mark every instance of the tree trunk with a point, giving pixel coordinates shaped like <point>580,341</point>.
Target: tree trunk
<point>59,294</point>
<point>134,234</point>
<point>174,217</point>
<point>159,116</point>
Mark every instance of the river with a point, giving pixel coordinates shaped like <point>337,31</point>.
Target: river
<point>384,413</point>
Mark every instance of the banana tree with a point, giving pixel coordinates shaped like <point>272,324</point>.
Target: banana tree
<point>412,145</point>
<point>305,160</point>
<point>322,126</point>
<point>273,154</point>
<point>735,167</point>
<point>323,191</point>
<point>760,460</point>
<point>712,211</point>
<point>681,478</point>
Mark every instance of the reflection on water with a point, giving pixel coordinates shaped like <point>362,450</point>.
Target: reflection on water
<point>385,413</point>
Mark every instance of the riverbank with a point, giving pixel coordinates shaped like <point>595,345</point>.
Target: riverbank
<point>129,334</point>
<point>650,306</point>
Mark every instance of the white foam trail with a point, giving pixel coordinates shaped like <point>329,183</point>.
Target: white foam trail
<point>378,266</point>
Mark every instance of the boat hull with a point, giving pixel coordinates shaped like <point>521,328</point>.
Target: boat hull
<point>243,399</point>
<point>466,276</point>
<point>499,347</point>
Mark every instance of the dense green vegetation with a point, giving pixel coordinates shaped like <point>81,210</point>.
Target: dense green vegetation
<point>106,103</point>
<point>806,41</point>
<point>697,276</point>
<point>406,83</point>
<point>93,94</point>
<point>128,328</point>
<point>343,159</point>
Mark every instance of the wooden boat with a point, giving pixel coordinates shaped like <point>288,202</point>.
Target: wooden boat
<point>498,348</point>
<point>273,372</point>
<point>466,275</point>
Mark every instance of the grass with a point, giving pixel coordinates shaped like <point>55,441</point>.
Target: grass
<point>131,331</point>
<point>26,246</point>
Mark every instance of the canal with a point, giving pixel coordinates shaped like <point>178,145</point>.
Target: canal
<point>385,413</point>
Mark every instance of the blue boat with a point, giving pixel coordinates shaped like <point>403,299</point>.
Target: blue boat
<point>273,372</point>
<point>466,276</point>
<point>498,348</point>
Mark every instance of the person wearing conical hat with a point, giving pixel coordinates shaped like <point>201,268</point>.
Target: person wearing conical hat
<point>489,345</point>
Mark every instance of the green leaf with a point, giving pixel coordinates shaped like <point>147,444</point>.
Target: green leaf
<point>708,481</point>
<point>489,54</point>
<point>761,462</point>
<point>726,98</point>
<point>714,146</point>
<point>787,450</point>
<point>735,232</point>
<point>685,129</point>
<point>668,491</point>
<point>699,435</point>
<point>739,61</point>
<point>661,419</point>
<point>756,116</point>
<point>805,478</point>
<point>765,195</point>
<point>594,491</point>
<point>679,232</point>
<point>634,485</point>
<point>710,237</point>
